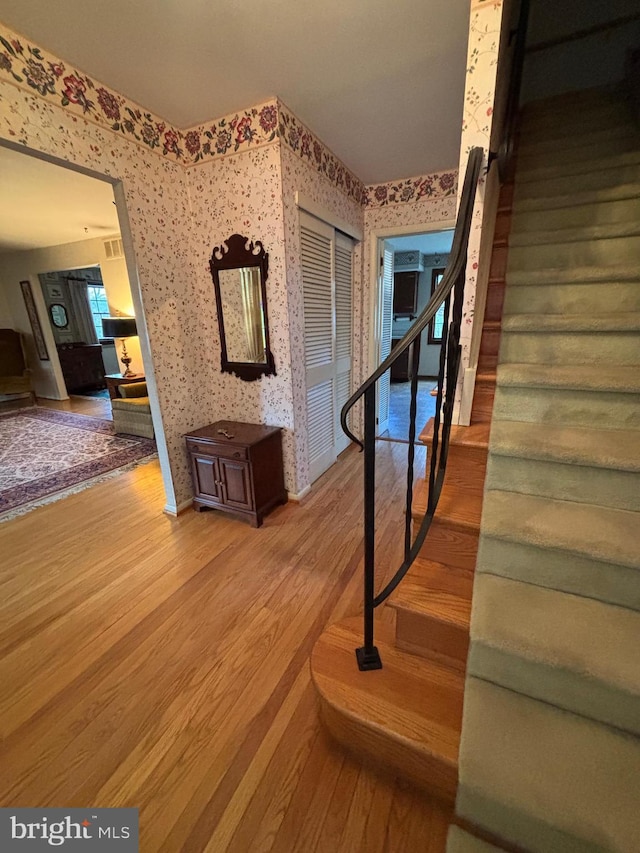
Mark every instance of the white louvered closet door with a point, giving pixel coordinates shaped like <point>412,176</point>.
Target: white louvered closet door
<point>386,319</point>
<point>344,332</point>
<point>326,283</point>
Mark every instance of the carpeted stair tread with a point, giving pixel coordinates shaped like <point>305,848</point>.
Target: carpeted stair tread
<point>574,142</point>
<point>594,253</point>
<point>460,841</point>
<point>559,570</point>
<point>577,275</point>
<point>545,779</point>
<point>406,715</point>
<point>458,510</point>
<point>574,235</point>
<point>629,190</point>
<point>593,298</point>
<point>600,378</point>
<point>594,213</point>
<point>570,651</point>
<point>594,180</point>
<point>626,322</point>
<point>476,435</point>
<point>439,591</point>
<point>603,448</point>
<point>586,530</point>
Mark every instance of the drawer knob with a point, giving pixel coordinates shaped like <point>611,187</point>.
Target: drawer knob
<point>237,455</point>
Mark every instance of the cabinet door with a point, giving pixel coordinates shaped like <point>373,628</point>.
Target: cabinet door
<point>206,477</point>
<point>236,484</point>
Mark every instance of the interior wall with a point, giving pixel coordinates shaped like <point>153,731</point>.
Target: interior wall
<point>300,177</point>
<point>156,193</point>
<point>241,194</point>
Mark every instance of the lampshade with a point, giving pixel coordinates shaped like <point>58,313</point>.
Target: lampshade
<point>119,327</point>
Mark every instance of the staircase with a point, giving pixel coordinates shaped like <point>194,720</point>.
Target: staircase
<point>550,753</point>
<point>407,716</point>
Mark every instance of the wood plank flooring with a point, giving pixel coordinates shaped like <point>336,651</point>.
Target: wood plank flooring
<point>163,664</point>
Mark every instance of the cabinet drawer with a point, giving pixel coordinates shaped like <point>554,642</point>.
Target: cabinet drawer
<point>214,449</point>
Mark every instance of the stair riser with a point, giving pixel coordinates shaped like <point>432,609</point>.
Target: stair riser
<point>580,215</point>
<point>452,546</point>
<point>482,403</point>
<point>568,407</point>
<point>622,348</point>
<point>581,167</point>
<point>575,142</point>
<point>559,570</point>
<point>598,253</point>
<point>438,778</point>
<point>579,483</point>
<point>616,121</point>
<point>536,158</point>
<point>431,638</point>
<point>576,106</point>
<point>589,299</point>
<point>596,180</point>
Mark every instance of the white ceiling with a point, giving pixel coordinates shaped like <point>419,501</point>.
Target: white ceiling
<point>433,243</point>
<point>46,205</point>
<point>380,81</point>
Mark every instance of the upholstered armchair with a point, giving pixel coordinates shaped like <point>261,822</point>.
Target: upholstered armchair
<point>15,377</point>
<point>131,410</point>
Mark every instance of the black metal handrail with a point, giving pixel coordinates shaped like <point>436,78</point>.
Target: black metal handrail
<point>450,294</point>
<point>507,144</point>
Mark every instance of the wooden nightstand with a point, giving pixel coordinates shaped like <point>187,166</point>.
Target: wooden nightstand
<point>237,467</point>
<point>115,379</point>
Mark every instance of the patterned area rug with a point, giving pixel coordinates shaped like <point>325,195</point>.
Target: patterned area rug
<point>46,454</point>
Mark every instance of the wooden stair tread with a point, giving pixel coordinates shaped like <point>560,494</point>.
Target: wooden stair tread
<point>436,590</point>
<point>407,715</point>
<point>476,435</point>
<point>456,508</point>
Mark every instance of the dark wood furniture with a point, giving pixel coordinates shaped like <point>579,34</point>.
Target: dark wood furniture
<point>405,294</point>
<point>82,366</point>
<point>400,368</point>
<point>237,467</point>
<point>113,380</point>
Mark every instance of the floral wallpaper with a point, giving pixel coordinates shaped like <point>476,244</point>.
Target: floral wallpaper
<point>34,69</point>
<point>480,87</point>
<point>411,190</point>
<point>249,128</point>
<point>243,194</point>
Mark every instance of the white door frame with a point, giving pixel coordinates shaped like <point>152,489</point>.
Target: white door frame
<point>375,237</point>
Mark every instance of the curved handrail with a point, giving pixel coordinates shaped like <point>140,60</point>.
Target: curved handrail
<point>450,294</point>
<point>455,267</point>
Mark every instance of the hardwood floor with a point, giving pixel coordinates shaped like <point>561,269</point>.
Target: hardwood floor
<point>94,407</point>
<point>164,664</point>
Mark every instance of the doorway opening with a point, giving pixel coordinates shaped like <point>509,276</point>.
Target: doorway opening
<point>411,267</point>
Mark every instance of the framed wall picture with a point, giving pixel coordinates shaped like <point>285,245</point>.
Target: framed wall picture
<point>38,337</point>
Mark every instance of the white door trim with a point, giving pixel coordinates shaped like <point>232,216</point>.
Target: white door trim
<point>375,235</point>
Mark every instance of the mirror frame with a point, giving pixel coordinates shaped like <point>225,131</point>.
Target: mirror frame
<point>235,253</point>
<point>64,325</point>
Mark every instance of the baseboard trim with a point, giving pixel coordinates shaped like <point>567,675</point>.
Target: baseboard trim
<point>297,497</point>
<point>170,509</point>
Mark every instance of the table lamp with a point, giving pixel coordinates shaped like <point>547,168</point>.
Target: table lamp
<point>121,327</point>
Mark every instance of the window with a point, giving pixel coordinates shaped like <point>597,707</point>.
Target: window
<point>436,326</point>
<point>98,304</point>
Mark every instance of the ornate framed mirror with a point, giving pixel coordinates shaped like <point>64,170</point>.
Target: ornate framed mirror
<point>239,270</point>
